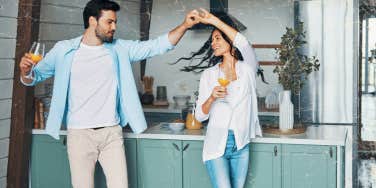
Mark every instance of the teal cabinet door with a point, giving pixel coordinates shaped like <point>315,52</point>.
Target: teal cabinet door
<point>99,177</point>
<point>264,166</point>
<point>49,162</point>
<point>131,156</point>
<point>130,145</point>
<point>194,170</point>
<point>309,166</point>
<point>159,163</point>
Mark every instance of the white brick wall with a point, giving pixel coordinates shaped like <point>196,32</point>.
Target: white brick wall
<point>8,32</point>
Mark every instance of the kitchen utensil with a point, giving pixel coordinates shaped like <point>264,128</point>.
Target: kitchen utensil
<point>147,98</point>
<point>161,93</point>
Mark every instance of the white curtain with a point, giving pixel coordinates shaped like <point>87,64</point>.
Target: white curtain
<point>328,95</point>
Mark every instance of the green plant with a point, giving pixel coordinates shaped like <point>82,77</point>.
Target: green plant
<point>294,66</point>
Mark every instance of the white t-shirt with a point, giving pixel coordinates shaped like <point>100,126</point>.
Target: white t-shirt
<point>92,89</point>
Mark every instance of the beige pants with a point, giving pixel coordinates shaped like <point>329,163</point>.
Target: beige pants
<point>87,146</point>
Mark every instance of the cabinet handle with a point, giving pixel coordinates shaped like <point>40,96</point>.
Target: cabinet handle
<point>185,147</point>
<point>65,141</point>
<point>176,146</point>
<point>331,152</point>
<point>275,151</point>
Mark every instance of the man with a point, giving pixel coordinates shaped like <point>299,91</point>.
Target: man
<point>94,91</point>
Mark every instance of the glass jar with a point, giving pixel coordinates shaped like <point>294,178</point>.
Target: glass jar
<point>191,122</point>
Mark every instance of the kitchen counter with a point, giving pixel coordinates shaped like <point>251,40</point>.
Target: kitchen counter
<point>314,135</point>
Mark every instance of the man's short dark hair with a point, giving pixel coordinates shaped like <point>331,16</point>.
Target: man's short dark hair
<point>94,8</point>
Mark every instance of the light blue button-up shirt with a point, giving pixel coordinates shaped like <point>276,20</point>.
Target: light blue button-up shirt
<point>58,61</point>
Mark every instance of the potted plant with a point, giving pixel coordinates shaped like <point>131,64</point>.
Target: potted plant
<point>292,71</point>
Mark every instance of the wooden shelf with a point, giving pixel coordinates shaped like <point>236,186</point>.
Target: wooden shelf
<point>268,46</point>
<point>270,63</point>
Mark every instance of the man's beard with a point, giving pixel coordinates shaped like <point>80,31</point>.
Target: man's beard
<point>102,36</point>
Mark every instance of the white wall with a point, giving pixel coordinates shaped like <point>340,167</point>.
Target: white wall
<point>61,20</point>
<point>8,32</point>
<point>270,17</point>
<point>266,22</point>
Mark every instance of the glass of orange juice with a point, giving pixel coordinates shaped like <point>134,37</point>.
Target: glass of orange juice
<point>37,53</point>
<point>223,80</point>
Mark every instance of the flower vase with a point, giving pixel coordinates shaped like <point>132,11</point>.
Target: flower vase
<point>286,111</point>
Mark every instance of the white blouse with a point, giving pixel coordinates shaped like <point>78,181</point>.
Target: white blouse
<point>240,113</point>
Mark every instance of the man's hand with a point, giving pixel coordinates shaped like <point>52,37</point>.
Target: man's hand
<point>191,19</point>
<point>26,64</point>
<point>25,68</point>
<point>206,17</point>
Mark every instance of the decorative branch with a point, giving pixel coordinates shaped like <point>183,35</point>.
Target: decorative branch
<point>295,66</point>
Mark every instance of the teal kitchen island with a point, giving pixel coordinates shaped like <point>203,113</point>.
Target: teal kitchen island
<point>161,158</point>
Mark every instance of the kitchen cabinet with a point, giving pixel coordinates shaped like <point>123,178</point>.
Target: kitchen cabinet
<point>130,145</point>
<point>194,170</point>
<point>50,165</point>
<point>173,161</point>
<point>171,164</point>
<point>292,166</point>
<point>49,162</point>
<point>309,166</point>
<point>264,169</point>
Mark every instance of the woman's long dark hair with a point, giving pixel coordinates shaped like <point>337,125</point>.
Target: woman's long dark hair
<point>205,53</point>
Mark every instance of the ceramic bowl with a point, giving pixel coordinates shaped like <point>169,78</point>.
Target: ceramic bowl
<point>176,126</point>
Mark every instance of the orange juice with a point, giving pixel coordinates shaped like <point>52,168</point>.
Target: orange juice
<point>223,82</point>
<point>36,58</point>
<point>192,122</point>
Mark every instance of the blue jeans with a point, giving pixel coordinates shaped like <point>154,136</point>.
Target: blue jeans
<point>230,170</point>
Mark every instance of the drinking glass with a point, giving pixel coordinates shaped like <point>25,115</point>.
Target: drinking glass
<point>223,80</point>
<point>37,53</point>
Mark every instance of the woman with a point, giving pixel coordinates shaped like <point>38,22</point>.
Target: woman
<point>232,122</point>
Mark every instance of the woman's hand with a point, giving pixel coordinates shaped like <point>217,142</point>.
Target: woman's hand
<point>191,19</point>
<point>206,17</point>
<point>219,92</point>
